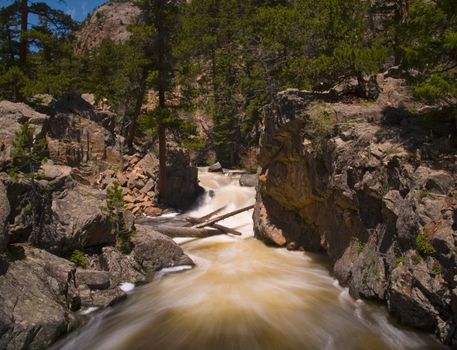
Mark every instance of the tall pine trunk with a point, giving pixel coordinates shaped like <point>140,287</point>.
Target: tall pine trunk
<point>23,46</point>
<point>162,104</point>
<point>137,110</point>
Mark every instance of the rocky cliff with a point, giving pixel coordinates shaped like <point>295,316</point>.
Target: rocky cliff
<point>372,184</point>
<point>109,21</point>
<point>58,251</point>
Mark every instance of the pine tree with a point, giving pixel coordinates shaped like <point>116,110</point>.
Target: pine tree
<point>41,69</point>
<point>159,28</point>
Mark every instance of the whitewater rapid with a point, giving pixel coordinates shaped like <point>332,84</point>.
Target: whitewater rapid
<point>243,295</point>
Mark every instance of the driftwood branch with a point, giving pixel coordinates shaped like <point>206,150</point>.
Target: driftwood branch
<point>223,217</point>
<point>175,232</point>
<point>195,221</point>
<point>203,227</point>
<point>227,230</point>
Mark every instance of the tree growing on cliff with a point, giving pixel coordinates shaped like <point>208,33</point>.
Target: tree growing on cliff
<point>116,213</point>
<point>28,151</point>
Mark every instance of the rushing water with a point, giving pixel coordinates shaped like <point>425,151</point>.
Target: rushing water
<point>243,295</point>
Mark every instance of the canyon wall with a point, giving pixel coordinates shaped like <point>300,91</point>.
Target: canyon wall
<point>373,185</point>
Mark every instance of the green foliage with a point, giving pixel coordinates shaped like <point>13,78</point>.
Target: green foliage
<point>357,245</point>
<point>79,258</point>
<point>322,127</point>
<point>423,243</point>
<point>12,83</point>
<point>116,212</point>
<point>28,150</point>
<point>399,261</point>
<point>424,193</point>
<point>436,267</point>
<point>435,87</point>
<point>429,43</point>
<point>48,66</point>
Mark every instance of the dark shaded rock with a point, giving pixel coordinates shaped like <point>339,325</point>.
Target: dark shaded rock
<point>415,296</point>
<point>249,180</point>
<point>182,180</point>
<point>363,269</point>
<point>215,168</point>
<point>33,294</point>
<point>4,214</point>
<point>93,279</point>
<point>154,251</point>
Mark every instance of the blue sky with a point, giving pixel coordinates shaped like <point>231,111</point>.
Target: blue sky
<point>78,9</point>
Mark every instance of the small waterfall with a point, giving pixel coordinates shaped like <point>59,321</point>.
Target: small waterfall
<point>243,295</point>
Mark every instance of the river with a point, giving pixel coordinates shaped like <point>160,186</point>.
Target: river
<point>243,295</point>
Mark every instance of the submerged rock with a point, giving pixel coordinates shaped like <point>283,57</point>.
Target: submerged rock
<point>215,168</point>
<point>249,180</point>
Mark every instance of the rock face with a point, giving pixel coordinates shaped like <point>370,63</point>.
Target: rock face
<point>77,221</point>
<point>369,186</point>
<point>12,115</point>
<point>33,296</point>
<point>109,21</point>
<point>58,214</point>
<point>80,135</point>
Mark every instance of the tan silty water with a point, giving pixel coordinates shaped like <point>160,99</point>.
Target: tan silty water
<point>243,295</point>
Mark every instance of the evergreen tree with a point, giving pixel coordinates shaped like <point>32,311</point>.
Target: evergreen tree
<point>158,29</point>
<point>42,69</point>
<point>429,44</point>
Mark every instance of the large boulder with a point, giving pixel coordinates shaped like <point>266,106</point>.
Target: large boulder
<point>77,221</point>
<point>154,251</point>
<point>34,293</point>
<point>12,116</point>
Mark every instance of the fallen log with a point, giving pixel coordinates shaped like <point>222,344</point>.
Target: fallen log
<point>223,217</point>
<point>195,221</point>
<point>227,230</point>
<point>176,231</point>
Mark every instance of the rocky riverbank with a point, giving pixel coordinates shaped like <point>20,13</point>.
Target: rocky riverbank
<point>373,184</point>
<point>58,251</point>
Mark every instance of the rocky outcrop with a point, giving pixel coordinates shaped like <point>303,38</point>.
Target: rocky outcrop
<point>34,293</point>
<point>139,182</point>
<point>78,135</point>
<point>154,251</point>
<point>58,214</point>
<point>12,116</point>
<point>109,21</point>
<point>373,185</point>
<point>75,225</point>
